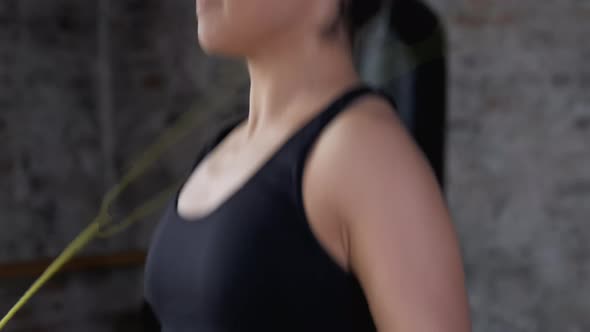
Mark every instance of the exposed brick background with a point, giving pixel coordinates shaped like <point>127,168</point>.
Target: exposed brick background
<point>519,159</point>
<point>53,159</point>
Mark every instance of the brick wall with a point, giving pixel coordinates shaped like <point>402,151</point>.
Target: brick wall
<point>519,159</point>
<point>61,140</point>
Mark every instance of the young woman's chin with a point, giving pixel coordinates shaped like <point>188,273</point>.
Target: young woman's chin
<point>219,47</point>
<point>238,27</point>
<point>209,44</point>
<point>218,39</point>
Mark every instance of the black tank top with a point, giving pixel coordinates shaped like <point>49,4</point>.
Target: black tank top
<point>253,264</point>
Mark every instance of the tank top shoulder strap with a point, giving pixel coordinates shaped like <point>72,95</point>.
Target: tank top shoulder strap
<point>346,99</point>
<point>314,128</point>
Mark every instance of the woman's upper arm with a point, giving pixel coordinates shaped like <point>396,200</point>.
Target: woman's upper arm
<point>401,242</point>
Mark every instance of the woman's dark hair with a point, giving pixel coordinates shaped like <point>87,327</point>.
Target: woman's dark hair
<point>354,14</point>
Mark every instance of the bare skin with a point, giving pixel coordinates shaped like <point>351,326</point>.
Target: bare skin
<point>370,197</point>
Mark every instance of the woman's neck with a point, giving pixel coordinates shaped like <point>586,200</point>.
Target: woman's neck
<point>293,76</point>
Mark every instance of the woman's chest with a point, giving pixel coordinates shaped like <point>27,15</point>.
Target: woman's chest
<point>240,258</point>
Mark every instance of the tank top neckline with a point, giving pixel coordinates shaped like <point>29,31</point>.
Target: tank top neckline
<point>208,215</point>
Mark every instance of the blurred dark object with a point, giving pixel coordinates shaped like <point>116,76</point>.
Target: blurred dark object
<point>36,267</point>
<point>149,322</point>
<point>408,60</point>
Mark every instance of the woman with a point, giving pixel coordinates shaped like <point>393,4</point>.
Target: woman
<point>317,212</point>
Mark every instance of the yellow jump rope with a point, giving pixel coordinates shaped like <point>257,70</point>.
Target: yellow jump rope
<point>102,226</point>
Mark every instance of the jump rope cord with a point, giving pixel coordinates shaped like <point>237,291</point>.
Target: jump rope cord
<point>101,226</point>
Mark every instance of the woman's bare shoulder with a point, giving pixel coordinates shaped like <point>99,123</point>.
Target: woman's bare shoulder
<point>400,238</point>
